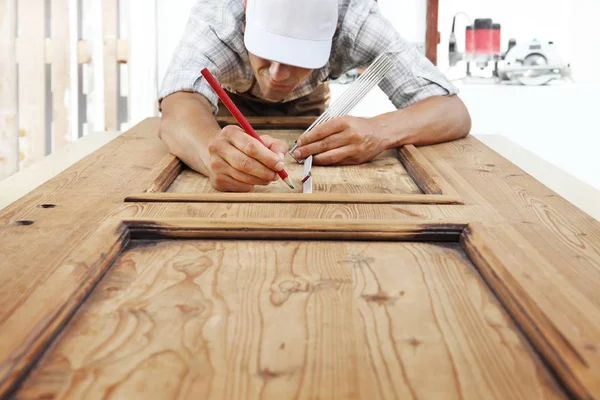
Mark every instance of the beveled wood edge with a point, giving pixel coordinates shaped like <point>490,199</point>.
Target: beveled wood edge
<point>493,259</point>
<point>99,251</point>
<point>337,198</point>
<point>164,179</point>
<point>425,175</point>
<point>418,168</point>
<point>271,122</point>
<point>293,229</point>
<point>96,253</point>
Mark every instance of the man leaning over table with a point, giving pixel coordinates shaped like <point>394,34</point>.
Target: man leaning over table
<point>275,58</point>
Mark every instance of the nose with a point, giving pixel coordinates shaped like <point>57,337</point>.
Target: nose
<point>279,72</point>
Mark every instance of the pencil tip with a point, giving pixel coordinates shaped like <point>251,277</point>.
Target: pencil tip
<point>289,183</point>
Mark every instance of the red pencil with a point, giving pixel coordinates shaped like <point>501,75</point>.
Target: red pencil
<point>212,81</point>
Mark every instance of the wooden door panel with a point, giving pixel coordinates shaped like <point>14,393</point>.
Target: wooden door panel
<point>269,308</point>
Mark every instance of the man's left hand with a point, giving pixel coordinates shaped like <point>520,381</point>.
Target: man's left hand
<point>342,141</point>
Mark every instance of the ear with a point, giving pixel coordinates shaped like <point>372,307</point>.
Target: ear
<point>245,2</point>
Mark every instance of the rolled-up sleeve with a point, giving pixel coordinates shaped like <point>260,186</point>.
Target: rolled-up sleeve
<point>413,77</point>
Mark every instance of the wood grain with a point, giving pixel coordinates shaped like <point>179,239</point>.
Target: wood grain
<point>80,272</point>
<point>559,298</point>
<point>47,224</point>
<point>422,172</point>
<point>545,315</point>
<point>166,171</point>
<point>355,198</point>
<point>289,228</point>
<point>385,175</point>
<point>33,142</point>
<point>281,319</point>
<point>556,228</point>
<point>271,122</point>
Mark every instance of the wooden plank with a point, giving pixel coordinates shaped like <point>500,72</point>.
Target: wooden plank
<point>384,175</point>
<point>323,211</point>
<point>78,199</point>
<point>556,228</point>
<point>495,192</point>
<point>32,82</point>
<point>514,269</point>
<point>143,60</point>
<point>271,122</point>
<point>292,229</point>
<point>80,281</point>
<point>343,319</point>
<point>167,171</point>
<point>9,136</point>
<point>432,36</point>
<point>111,79</point>
<point>419,169</point>
<point>61,74</point>
<point>355,198</point>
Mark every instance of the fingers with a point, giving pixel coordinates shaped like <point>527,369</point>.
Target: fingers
<point>221,167</point>
<point>275,145</point>
<point>239,161</point>
<point>254,154</point>
<point>340,156</point>
<point>323,145</point>
<point>323,130</point>
<point>226,183</point>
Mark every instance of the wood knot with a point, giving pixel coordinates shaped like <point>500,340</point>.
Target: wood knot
<point>414,342</point>
<point>24,222</point>
<point>591,347</point>
<point>381,298</point>
<point>47,205</point>
<point>184,308</point>
<point>267,374</point>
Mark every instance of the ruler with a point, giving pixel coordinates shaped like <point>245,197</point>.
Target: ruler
<point>307,175</point>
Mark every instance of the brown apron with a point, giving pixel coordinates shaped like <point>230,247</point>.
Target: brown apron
<point>314,103</point>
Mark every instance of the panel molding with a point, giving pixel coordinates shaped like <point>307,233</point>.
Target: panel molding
<point>436,190</point>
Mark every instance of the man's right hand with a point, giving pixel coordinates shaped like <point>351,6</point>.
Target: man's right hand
<point>238,161</point>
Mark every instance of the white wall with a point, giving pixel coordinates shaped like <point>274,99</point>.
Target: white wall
<point>172,19</point>
<point>408,17</point>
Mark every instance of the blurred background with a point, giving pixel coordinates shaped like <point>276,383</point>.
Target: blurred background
<point>71,69</point>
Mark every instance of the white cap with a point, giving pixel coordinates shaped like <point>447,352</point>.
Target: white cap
<point>293,32</point>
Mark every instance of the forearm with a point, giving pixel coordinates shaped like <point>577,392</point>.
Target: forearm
<point>187,127</point>
<point>434,120</point>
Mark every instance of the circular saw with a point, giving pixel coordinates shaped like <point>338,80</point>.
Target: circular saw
<point>533,64</point>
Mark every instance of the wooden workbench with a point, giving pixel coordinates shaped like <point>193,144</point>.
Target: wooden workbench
<point>434,272</point>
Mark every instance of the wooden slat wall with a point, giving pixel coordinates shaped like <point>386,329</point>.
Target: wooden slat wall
<point>32,81</point>
<point>111,81</point>
<point>61,74</point>
<point>25,53</point>
<point>9,145</point>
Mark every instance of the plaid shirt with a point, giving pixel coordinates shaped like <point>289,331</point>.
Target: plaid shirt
<point>214,39</point>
